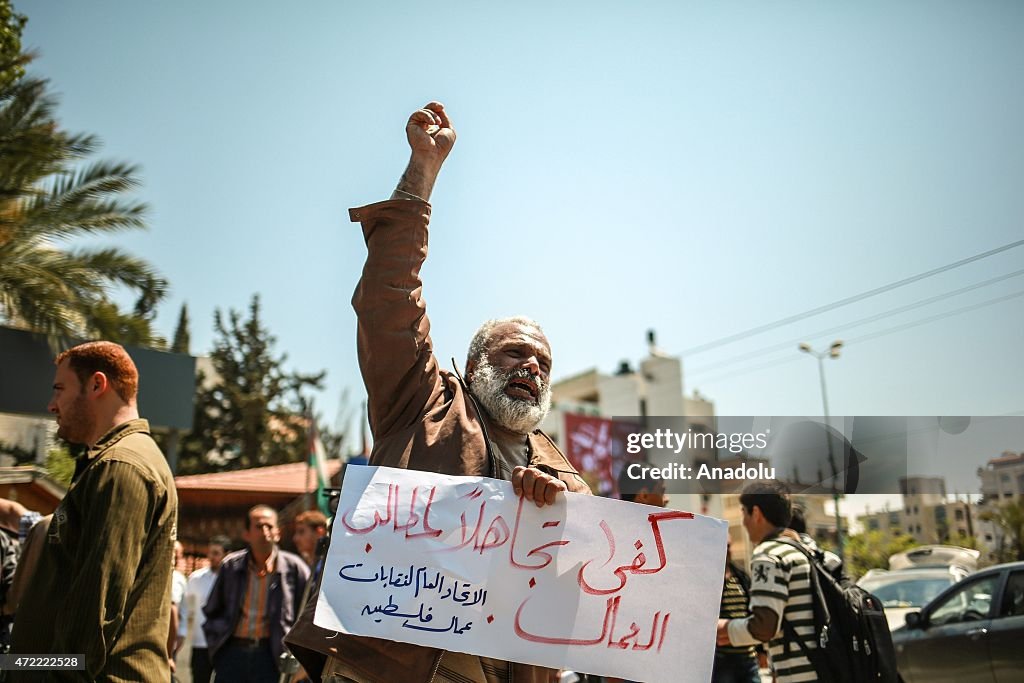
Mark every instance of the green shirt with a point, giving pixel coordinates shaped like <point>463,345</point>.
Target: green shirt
<point>103,583</point>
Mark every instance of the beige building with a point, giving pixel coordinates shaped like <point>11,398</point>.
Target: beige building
<point>1002,478</point>
<point>928,514</point>
<point>654,388</point>
<point>1002,481</point>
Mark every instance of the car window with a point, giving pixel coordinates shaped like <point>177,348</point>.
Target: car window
<point>971,602</point>
<point>907,592</point>
<point>1013,596</point>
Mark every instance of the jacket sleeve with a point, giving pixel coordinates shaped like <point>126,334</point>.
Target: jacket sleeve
<point>93,613</point>
<point>215,609</point>
<point>395,351</point>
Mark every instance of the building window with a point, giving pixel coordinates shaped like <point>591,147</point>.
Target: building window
<point>873,525</point>
<point>918,528</point>
<point>894,519</point>
<point>959,515</point>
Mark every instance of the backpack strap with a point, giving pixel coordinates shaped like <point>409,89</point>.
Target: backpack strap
<point>789,633</point>
<point>813,575</point>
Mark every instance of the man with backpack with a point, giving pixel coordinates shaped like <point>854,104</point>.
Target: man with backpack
<point>780,590</point>
<point>817,627</point>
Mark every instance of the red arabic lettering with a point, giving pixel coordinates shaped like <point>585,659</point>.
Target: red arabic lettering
<point>346,519</point>
<point>655,518</point>
<point>637,565</point>
<point>610,611</point>
<point>391,515</point>
<point>539,550</point>
<point>427,529</point>
<point>607,635</point>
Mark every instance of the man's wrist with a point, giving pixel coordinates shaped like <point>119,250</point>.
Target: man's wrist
<point>402,194</point>
<point>419,177</point>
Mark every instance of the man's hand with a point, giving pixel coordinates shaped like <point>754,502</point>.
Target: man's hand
<point>431,138</point>
<point>430,133</point>
<point>723,633</point>
<point>532,484</point>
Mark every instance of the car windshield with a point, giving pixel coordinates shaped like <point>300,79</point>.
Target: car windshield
<point>906,592</point>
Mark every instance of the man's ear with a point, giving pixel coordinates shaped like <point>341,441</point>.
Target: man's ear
<point>470,369</point>
<point>755,512</point>
<point>97,384</point>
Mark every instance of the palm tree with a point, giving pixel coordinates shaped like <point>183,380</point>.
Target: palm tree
<point>48,198</point>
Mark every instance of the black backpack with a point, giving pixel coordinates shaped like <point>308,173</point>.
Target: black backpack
<point>854,642</point>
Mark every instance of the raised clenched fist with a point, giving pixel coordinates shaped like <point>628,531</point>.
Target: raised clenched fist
<point>430,132</point>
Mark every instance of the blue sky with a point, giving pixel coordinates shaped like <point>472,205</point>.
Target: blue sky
<point>696,168</point>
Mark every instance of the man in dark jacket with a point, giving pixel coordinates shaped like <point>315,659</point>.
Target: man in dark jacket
<point>253,603</point>
<point>426,418</point>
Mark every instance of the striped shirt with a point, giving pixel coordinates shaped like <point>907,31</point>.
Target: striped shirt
<point>734,606</point>
<point>781,582</point>
<point>253,622</point>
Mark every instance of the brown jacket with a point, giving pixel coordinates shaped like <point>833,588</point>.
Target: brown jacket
<point>422,418</point>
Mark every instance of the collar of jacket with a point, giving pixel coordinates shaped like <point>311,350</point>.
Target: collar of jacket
<point>116,434</point>
<point>245,560</point>
<point>492,461</point>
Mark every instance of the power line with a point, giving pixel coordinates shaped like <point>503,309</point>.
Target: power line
<point>873,335</point>
<point>856,323</point>
<point>848,300</point>
<point>940,316</point>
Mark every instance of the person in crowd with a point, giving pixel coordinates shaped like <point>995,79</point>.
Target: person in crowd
<point>101,584</point>
<point>832,562</point>
<point>735,663</point>
<point>197,590</point>
<point>310,527</point>
<point>178,583</point>
<point>426,418</point>
<point>253,603</point>
<point>780,590</point>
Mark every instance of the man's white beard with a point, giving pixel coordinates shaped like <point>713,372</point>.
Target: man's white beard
<point>516,415</point>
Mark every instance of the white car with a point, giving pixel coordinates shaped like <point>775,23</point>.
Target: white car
<point>916,577</point>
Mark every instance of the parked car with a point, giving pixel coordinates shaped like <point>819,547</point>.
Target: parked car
<point>973,632</point>
<point>915,577</point>
<point>936,556</point>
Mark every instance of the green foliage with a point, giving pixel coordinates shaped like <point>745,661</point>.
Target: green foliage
<point>48,198</point>
<point>1009,518</point>
<point>872,549</point>
<point>251,413</point>
<point>60,465</point>
<point>182,338</point>
<point>12,62</point>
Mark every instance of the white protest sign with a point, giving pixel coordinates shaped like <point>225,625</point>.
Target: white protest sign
<point>461,563</point>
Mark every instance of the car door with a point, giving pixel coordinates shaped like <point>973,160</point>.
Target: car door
<point>952,646</point>
<point>1006,634</point>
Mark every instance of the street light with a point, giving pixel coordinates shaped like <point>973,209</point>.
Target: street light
<point>831,352</point>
